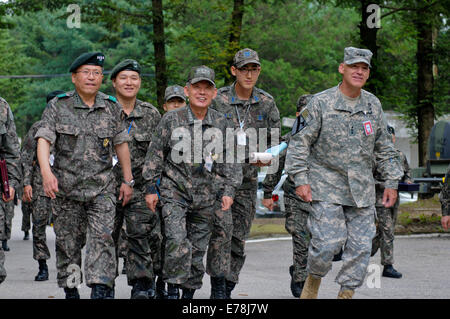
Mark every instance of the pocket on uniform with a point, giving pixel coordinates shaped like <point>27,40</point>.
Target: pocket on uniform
<point>105,137</point>
<point>67,136</point>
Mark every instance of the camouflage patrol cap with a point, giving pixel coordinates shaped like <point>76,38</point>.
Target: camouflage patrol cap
<point>51,95</point>
<point>201,73</point>
<point>354,55</point>
<point>303,101</point>
<point>88,58</point>
<point>127,64</point>
<point>174,91</point>
<point>245,56</point>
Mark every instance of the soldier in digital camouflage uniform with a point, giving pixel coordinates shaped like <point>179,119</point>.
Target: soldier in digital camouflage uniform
<point>330,160</point>
<point>188,155</point>
<point>85,128</point>
<point>143,230</point>
<point>444,198</point>
<point>387,216</point>
<point>10,151</point>
<point>251,110</point>
<point>296,212</point>
<point>174,98</point>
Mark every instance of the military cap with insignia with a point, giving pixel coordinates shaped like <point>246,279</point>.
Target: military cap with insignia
<point>174,91</point>
<point>128,65</point>
<point>354,55</point>
<point>53,94</point>
<point>88,58</point>
<point>201,73</point>
<point>245,56</point>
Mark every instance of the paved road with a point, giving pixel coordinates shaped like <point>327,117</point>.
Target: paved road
<point>424,262</point>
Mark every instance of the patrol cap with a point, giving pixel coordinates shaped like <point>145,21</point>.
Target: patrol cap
<point>391,130</point>
<point>174,91</point>
<point>201,73</point>
<point>354,55</point>
<point>127,64</point>
<point>88,58</point>
<point>51,95</point>
<point>303,101</point>
<point>245,56</point>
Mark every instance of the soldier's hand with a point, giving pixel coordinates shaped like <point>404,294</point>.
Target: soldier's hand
<point>27,193</point>
<point>304,192</point>
<point>268,203</point>
<point>389,197</point>
<point>445,222</point>
<point>50,184</point>
<point>151,200</point>
<point>12,191</point>
<point>227,201</point>
<point>125,193</point>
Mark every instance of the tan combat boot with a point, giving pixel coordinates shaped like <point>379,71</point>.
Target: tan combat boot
<point>311,288</point>
<point>345,294</point>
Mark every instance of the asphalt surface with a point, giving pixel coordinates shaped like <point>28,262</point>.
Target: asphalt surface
<point>423,260</point>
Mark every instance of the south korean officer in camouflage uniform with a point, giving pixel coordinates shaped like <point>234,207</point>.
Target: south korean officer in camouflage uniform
<point>142,225</point>
<point>444,198</point>
<point>85,128</point>
<point>253,112</point>
<point>330,160</point>
<point>296,211</point>
<point>41,208</point>
<point>188,154</point>
<point>10,152</point>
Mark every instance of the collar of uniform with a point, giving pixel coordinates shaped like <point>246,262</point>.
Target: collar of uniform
<point>99,101</point>
<point>234,100</point>
<point>191,117</point>
<point>341,105</point>
<point>137,111</point>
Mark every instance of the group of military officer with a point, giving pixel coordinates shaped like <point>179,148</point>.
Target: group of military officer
<point>176,189</point>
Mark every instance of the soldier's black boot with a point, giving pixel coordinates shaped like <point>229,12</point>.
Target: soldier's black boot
<point>389,271</point>
<point>140,289</point>
<point>72,293</point>
<point>161,292</point>
<point>218,289</point>
<point>173,292</point>
<point>43,271</point>
<point>188,293</point>
<point>338,256</point>
<point>229,286</point>
<point>5,245</point>
<point>296,287</point>
<point>101,291</point>
<point>26,235</point>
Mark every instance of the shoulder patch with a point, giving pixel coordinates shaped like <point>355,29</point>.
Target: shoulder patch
<point>112,98</point>
<point>265,93</point>
<point>62,95</point>
<point>300,123</point>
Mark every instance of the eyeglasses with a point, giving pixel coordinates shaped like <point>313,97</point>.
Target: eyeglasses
<point>94,73</point>
<point>249,70</point>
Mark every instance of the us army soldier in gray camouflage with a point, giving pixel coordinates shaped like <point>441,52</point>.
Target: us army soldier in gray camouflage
<point>10,151</point>
<point>143,227</point>
<point>188,154</point>
<point>250,109</point>
<point>84,126</point>
<point>387,216</point>
<point>296,213</point>
<point>330,161</point>
<point>444,197</point>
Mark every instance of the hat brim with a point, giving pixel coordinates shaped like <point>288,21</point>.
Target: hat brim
<point>242,63</point>
<point>175,95</point>
<point>196,80</point>
<point>357,60</point>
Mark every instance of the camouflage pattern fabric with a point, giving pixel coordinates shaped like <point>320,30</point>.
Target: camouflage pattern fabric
<point>41,212</point>
<point>444,196</point>
<point>8,211</point>
<point>26,216</point>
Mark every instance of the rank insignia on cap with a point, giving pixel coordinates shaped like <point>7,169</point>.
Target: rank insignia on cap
<point>100,57</point>
<point>368,128</point>
<point>247,54</point>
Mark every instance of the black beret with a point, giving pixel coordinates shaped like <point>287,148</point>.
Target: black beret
<point>128,64</point>
<point>51,95</point>
<point>88,58</point>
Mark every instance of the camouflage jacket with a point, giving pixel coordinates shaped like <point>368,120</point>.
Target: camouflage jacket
<point>140,124</point>
<point>333,151</point>
<point>259,112</point>
<point>10,148</point>
<point>444,196</point>
<point>175,156</point>
<point>83,139</point>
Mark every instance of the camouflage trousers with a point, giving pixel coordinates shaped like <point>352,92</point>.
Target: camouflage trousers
<point>296,226</point>
<point>26,216</point>
<point>384,238</point>
<point>243,212</point>
<point>187,229</point>
<point>143,240</point>
<point>331,226</point>
<point>41,212</point>
<point>6,222</point>
<point>91,223</point>
<point>122,246</point>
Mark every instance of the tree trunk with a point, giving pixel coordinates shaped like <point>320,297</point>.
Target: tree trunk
<point>235,33</point>
<point>160,52</point>
<point>425,82</point>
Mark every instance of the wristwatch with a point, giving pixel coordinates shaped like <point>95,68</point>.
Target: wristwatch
<point>130,183</point>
